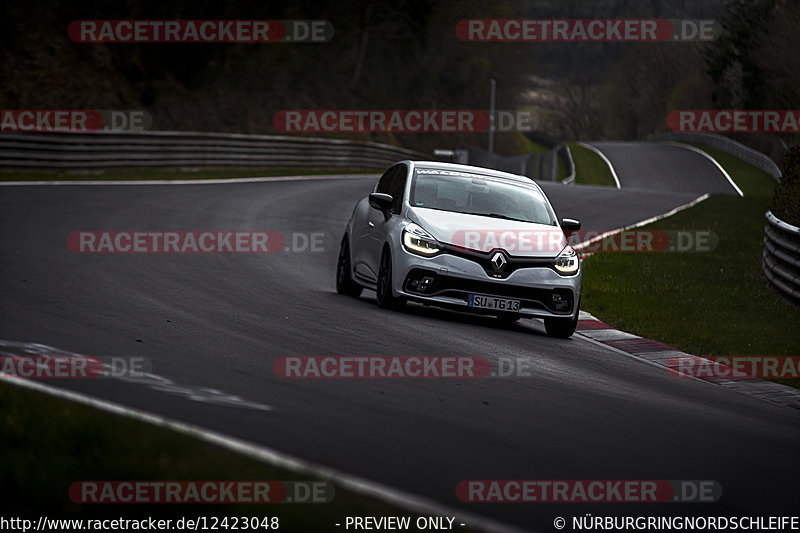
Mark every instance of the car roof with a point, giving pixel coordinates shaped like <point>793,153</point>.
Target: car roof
<point>439,165</point>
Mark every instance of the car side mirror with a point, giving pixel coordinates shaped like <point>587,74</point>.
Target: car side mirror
<point>569,226</point>
<point>382,202</point>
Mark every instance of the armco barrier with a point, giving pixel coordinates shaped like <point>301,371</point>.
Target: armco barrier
<point>189,149</point>
<point>736,149</point>
<point>781,257</point>
<point>545,165</point>
<point>567,155</point>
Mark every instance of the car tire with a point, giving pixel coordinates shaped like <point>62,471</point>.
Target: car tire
<point>344,282</point>
<point>383,289</point>
<point>562,327</point>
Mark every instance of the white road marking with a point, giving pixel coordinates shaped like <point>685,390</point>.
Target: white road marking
<point>580,246</point>
<point>714,161</point>
<point>602,155</point>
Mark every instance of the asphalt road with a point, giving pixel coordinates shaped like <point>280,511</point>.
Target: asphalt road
<point>664,167</point>
<point>605,208</point>
<point>212,324</point>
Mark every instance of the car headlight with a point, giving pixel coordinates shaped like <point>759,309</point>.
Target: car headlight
<point>419,241</point>
<point>567,261</point>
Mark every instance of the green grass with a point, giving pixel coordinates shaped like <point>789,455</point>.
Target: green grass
<point>175,174</point>
<point>753,181</point>
<point>561,168</point>
<point>49,443</point>
<point>590,169</point>
<point>715,303</point>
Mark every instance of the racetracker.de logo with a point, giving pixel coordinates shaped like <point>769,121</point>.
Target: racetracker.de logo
<point>374,367</point>
<point>200,31</point>
<point>582,30</point>
<point>175,242</point>
<point>73,121</point>
<point>402,120</point>
<point>547,241</point>
<point>734,120</point>
<point>734,367</point>
<point>71,366</point>
<point>381,120</point>
<point>50,367</point>
<point>204,492</point>
<point>588,491</point>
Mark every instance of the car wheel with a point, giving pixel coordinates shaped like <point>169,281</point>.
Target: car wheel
<point>344,283</point>
<point>383,291</point>
<point>562,327</point>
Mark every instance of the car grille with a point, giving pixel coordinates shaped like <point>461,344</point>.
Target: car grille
<point>428,283</point>
<point>484,259</point>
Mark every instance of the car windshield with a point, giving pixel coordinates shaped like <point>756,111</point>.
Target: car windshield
<point>478,194</point>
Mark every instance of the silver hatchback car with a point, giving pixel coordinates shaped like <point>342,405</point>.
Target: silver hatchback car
<point>464,238</point>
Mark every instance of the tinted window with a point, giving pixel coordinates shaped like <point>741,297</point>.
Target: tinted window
<point>393,183</point>
<point>397,187</point>
<point>384,182</point>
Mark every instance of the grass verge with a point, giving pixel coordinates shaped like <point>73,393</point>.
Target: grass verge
<point>49,443</point>
<point>715,303</point>
<point>590,169</point>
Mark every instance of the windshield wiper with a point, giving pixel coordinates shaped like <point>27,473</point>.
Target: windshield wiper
<point>498,215</point>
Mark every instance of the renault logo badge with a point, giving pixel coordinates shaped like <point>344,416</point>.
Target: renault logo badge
<point>499,261</point>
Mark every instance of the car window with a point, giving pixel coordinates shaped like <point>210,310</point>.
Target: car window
<point>479,195</point>
<point>397,186</point>
<point>384,184</point>
<point>393,183</point>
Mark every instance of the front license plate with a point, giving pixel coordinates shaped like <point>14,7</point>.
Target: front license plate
<point>489,302</point>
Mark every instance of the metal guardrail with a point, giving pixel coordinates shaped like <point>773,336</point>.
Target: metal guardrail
<point>546,164</point>
<point>736,149</point>
<point>781,257</point>
<point>570,164</point>
<point>189,149</point>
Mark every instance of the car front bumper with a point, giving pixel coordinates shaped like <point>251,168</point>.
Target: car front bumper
<point>447,280</point>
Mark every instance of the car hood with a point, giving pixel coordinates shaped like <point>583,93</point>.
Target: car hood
<point>485,234</point>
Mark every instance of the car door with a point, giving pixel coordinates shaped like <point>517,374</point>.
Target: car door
<point>369,232</point>
<point>378,226</point>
